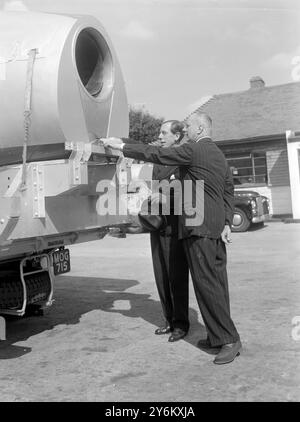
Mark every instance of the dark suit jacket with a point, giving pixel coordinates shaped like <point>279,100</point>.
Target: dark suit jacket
<point>198,161</point>
<point>160,173</point>
<point>163,172</point>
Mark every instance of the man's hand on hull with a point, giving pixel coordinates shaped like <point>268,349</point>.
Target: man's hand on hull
<point>115,143</point>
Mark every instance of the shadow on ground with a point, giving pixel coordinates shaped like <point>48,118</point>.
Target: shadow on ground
<point>257,226</point>
<point>76,296</point>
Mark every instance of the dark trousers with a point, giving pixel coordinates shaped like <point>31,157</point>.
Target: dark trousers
<point>207,263</point>
<point>172,278</point>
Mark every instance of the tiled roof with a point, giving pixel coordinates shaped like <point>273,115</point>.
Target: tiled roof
<point>259,111</point>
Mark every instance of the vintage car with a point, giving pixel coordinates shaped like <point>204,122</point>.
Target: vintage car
<point>249,208</point>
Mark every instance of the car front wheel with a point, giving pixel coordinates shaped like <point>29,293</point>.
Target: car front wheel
<point>241,222</point>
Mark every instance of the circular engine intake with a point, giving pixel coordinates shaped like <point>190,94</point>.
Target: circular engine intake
<point>94,62</point>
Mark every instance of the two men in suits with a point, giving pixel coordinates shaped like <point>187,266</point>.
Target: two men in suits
<point>205,236</point>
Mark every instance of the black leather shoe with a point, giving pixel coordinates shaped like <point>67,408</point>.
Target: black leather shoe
<point>228,353</point>
<point>177,334</point>
<point>205,346</point>
<point>166,329</point>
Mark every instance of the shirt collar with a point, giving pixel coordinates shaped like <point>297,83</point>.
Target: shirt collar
<point>202,137</point>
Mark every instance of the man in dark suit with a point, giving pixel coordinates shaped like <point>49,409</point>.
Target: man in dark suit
<point>205,234</point>
<point>169,261</point>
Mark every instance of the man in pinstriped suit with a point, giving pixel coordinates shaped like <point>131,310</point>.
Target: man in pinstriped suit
<point>204,243</point>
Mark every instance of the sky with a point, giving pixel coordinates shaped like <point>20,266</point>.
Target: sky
<point>176,54</point>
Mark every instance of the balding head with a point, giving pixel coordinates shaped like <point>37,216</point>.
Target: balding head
<point>199,125</point>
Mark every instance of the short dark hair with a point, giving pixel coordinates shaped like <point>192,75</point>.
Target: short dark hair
<point>176,127</point>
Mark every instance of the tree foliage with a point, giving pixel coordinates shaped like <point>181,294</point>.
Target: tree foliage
<point>143,126</point>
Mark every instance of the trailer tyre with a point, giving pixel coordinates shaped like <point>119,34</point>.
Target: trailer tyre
<point>241,222</point>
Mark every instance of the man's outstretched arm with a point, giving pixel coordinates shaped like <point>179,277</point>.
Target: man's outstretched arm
<point>171,156</point>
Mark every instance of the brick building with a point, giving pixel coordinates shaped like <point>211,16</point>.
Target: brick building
<point>251,129</point>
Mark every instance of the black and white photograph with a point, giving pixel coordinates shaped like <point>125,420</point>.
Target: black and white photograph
<point>149,204</point>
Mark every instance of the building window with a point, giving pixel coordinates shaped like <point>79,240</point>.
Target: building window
<point>248,168</point>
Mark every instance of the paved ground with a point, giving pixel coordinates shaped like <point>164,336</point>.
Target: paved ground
<point>96,343</point>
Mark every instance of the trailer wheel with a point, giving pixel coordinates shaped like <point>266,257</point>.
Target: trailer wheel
<point>241,222</point>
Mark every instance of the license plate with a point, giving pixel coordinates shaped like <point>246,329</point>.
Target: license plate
<point>61,261</point>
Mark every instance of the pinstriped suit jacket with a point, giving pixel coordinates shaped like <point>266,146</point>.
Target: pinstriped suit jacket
<point>197,161</point>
